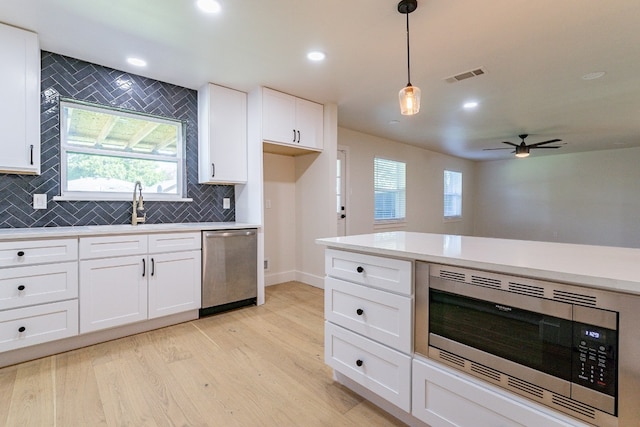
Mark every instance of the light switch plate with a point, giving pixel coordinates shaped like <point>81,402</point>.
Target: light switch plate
<point>226,203</point>
<point>39,201</point>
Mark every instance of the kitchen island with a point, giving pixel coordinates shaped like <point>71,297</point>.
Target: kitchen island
<point>372,305</point>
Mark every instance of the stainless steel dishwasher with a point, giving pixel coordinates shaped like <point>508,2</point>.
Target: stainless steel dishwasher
<point>229,269</point>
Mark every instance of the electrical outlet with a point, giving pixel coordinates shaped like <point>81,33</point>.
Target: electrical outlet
<point>226,203</point>
<point>39,201</point>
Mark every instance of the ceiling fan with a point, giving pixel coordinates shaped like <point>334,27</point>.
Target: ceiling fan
<point>522,149</point>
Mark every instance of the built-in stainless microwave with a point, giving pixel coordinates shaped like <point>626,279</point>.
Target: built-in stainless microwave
<point>554,343</point>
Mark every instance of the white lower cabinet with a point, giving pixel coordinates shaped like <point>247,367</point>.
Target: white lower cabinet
<point>113,292</point>
<point>445,398</point>
<point>174,283</point>
<point>380,369</point>
<point>160,275</point>
<point>37,324</point>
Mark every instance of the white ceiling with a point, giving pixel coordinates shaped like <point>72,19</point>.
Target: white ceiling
<point>535,53</point>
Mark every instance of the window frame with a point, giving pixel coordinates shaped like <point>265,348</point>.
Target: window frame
<point>451,218</point>
<point>390,221</point>
<point>65,148</point>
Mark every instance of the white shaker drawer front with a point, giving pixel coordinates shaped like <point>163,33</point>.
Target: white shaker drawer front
<point>376,314</point>
<point>380,369</point>
<point>112,246</point>
<point>385,273</point>
<point>30,252</point>
<point>27,326</point>
<point>174,242</point>
<point>38,284</point>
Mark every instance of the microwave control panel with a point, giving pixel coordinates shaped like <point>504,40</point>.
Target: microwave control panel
<point>595,358</point>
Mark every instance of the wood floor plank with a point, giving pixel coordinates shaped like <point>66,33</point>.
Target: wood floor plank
<point>32,400</point>
<point>75,377</point>
<point>255,366</point>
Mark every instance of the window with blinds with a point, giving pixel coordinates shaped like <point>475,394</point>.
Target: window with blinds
<point>390,190</point>
<point>452,195</point>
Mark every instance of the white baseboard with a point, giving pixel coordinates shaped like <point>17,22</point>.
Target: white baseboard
<point>275,278</point>
<point>310,279</point>
<point>288,276</point>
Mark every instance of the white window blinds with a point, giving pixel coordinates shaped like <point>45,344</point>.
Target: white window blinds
<point>452,194</point>
<point>390,190</point>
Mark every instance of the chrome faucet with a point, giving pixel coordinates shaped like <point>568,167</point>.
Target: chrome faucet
<point>137,206</point>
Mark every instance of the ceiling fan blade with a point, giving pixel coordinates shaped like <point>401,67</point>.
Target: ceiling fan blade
<point>489,149</point>
<point>544,142</point>
<point>510,143</point>
<point>546,146</point>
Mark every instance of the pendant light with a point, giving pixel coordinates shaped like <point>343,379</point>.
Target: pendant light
<point>409,95</point>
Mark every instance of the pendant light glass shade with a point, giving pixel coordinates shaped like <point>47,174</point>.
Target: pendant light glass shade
<point>409,96</point>
<point>522,151</point>
<point>409,100</point>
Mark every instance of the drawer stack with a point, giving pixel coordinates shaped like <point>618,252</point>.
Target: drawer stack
<point>38,291</point>
<point>368,328</point>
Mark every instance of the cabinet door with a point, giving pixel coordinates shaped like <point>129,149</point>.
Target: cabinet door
<point>222,137</point>
<point>278,117</point>
<point>113,292</point>
<point>309,122</point>
<point>174,283</point>
<point>20,106</point>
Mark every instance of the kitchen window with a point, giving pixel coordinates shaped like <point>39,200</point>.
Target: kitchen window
<point>104,151</point>
<point>389,190</point>
<point>452,195</point>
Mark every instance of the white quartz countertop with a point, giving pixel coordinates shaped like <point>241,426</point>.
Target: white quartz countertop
<point>98,230</point>
<point>604,267</point>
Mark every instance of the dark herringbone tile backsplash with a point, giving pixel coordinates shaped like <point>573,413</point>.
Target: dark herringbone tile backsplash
<point>71,78</point>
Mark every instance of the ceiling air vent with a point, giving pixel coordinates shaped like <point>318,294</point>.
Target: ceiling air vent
<point>466,75</point>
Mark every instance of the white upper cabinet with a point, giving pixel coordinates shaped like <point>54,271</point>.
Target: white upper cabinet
<point>20,104</point>
<point>222,135</point>
<point>292,121</point>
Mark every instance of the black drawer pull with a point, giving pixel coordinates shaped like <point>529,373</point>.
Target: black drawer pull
<point>20,253</point>
<point>144,267</point>
<point>359,362</point>
<point>359,269</point>
<point>359,312</point>
<point>21,329</point>
<point>21,288</point>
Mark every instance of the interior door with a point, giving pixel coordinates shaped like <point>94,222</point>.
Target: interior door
<point>341,192</point>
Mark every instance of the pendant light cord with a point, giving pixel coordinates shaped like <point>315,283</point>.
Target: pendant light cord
<point>408,54</point>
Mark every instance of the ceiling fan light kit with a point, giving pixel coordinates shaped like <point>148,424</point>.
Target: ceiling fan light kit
<point>409,96</point>
<point>523,150</point>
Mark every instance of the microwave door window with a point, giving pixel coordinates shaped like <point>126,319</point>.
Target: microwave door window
<point>528,338</point>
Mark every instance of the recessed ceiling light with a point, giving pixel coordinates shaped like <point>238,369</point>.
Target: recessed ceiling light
<point>470,105</point>
<point>593,76</point>
<point>316,55</point>
<point>208,6</point>
<point>137,62</point>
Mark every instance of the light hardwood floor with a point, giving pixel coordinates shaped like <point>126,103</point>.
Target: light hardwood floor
<point>256,366</point>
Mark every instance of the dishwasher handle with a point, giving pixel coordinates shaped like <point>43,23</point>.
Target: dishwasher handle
<point>228,233</point>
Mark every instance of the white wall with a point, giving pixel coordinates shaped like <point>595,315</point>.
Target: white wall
<point>425,181</point>
<point>587,198</point>
<point>279,217</point>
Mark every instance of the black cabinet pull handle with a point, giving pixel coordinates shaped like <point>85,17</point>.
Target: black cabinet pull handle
<point>153,266</point>
<point>343,216</point>
<point>31,153</point>
<point>294,136</point>
<point>21,288</point>
<point>359,362</point>
<point>360,269</point>
<point>359,312</point>
<point>20,253</point>
<point>298,137</point>
<point>213,170</point>
<point>22,329</point>
<point>144,267</point>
